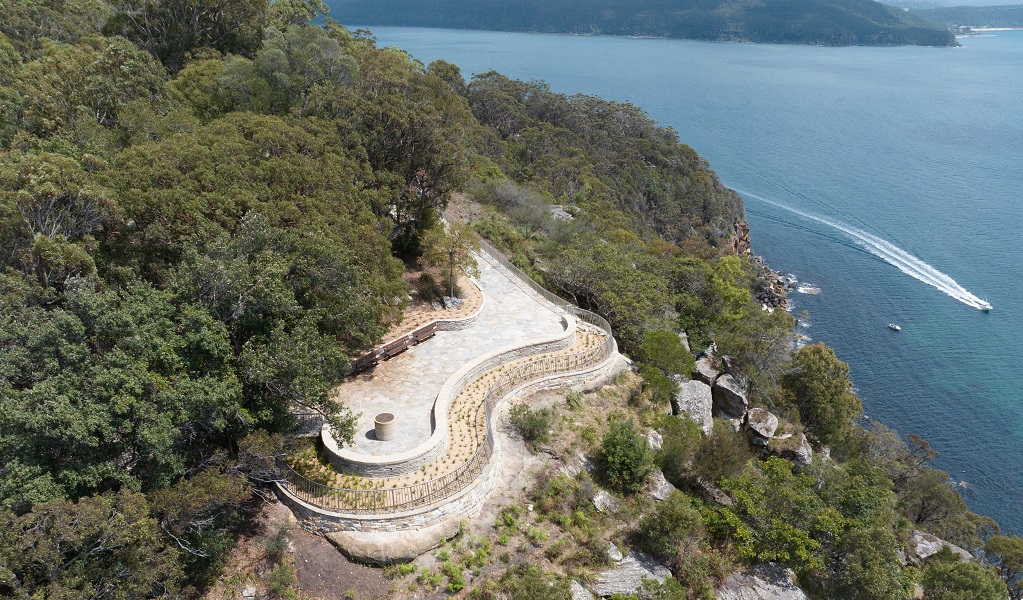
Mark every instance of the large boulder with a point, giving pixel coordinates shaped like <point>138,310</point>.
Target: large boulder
<point>732,366</point>
<point>388,547</point>
<point>695,400</point>
<point>794,448</point>
<point>762,424</point>
<point>627,577</point>
<point>655,440</point>
<point>604,502</point>
<point>657,487</point>
<point>705,370</point>
<point>729,397</point>
<point>923,545</point>
<point>763,582</point>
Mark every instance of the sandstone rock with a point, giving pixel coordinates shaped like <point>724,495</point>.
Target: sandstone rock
<point>387,547</point>
<point>682,337</point>
<point>762,582</point>
<point>654,440</point>
<point>729,397</point>
<point>558,213</point>
<point>604,502</point>
<point>923,545</point>
<point>762,426</point>
<point>577,465</point>
<point>732,367</point>
<point>705,370</point>
<point>696,401</point>
<point>627,577</point>
<point>709,491</point>
<point>614,553</point>
<point>798,450</point>
<point>658,487</point>
<point>579,592</point>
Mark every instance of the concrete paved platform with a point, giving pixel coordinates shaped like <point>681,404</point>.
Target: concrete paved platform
<point>407,385</point>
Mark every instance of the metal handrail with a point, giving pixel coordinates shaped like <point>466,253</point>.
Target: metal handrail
<point>399,499</point>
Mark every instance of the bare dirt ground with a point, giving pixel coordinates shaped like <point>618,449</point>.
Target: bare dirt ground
<point>324,573</point>
<point>420,313</point>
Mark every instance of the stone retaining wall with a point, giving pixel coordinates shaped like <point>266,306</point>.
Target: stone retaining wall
<point>469,501</point>
<point>466,503</point>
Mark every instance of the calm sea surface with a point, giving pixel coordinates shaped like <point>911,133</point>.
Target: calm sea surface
<point>892,178</point>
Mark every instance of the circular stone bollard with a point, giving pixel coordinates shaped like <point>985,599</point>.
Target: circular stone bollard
<point>383,427</point>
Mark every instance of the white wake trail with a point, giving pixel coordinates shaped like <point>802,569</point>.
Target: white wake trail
<point>891,254</point>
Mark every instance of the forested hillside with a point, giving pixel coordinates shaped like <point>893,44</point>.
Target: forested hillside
<point>976,16</point>
<point>817,22</point>
<point>206,208</point>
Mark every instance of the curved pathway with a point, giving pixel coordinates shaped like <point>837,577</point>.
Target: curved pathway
<point>407,385</point>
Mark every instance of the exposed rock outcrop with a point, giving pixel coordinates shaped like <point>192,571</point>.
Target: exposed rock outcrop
<point>695,400</point>
<point>923,545</point>
<point>684,338</point>
<point>794,448</point>
<point>627,577</point>
<point>579,592</point>
<point>657,487</point>
<point>729,397</point>
<point>387,547</point>
<point>604,502</point>
<point>654,440</point>
<point>762,425</point>
<point>705,370</point>
<point>709,491</point>
<point>763,582</point>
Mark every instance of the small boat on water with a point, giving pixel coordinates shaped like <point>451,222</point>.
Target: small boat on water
<point>985,305</point>
<point>894,327</point>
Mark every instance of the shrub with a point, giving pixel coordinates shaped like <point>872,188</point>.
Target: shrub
<point>276,544</point>
<point>723,454</point>
<point>666,531</point>
<point>625,456</point>
<point>682,440</point>
<point>427,288</point>
<point>660,388</point>
<point>954,580</point>
<point>533,425</point>
<point>531,583</point>
<point>279,581</point>
<point>574,400</point>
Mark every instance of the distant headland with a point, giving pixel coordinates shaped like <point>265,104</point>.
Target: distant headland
<point>812,22</point>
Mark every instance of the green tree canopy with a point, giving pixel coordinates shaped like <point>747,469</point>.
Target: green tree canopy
<point>818,385</point>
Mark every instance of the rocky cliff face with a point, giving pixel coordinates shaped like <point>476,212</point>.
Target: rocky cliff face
<point>740,238</point>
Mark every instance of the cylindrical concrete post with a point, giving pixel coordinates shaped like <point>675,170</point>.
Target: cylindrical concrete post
<point>383,427</point>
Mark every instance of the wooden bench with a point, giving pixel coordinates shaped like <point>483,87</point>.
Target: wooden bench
<point>396,347</point>
<point>364,362</point>
<point>424,333</point>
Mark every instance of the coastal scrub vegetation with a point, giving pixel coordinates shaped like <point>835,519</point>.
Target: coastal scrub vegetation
<point>206,209</point>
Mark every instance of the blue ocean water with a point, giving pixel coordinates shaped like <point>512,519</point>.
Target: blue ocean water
<point>892,178</point>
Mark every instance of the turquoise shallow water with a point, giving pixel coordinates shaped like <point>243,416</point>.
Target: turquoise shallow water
<point>921,148</point>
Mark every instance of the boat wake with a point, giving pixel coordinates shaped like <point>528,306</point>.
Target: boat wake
<point>891,254</point>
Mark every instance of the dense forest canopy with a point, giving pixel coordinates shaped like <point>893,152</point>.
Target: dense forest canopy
<point>204,212</point>
<point>817,22</point>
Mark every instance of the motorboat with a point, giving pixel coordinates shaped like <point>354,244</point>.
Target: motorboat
<point>894,327</point>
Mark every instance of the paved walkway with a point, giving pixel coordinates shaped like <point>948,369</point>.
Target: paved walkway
<point>407,385</point>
